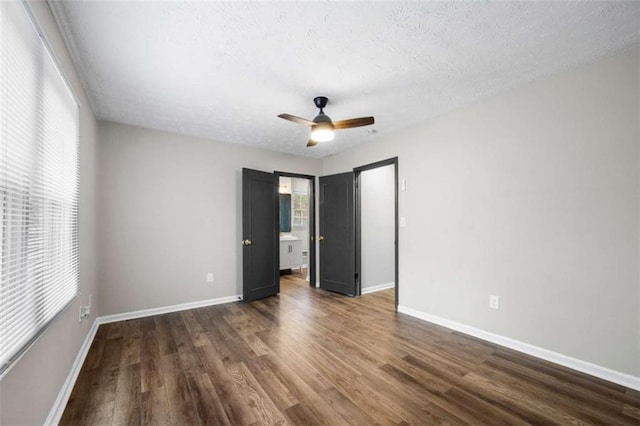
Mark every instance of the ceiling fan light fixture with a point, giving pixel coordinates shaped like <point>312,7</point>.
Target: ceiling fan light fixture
<point>322,132</point>
<point>322,128</point>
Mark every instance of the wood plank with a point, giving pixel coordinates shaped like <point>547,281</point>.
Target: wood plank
<point>346,409</point>
<point>155,407</point>
<point>182,408</point>
<point>103,390</point>
<point>162,332</point>
<point>254,396</point>
<point>100,414</point>
<point>546,388</point>
<point>131,352</point>
<point>76,410</point>
<point>128,402</point>
<point>150,369</point>
<point>550,412</point>
<point>228,395</point>
<point>210,409</point>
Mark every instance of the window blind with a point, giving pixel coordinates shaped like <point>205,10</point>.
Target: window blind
<point>39,185</point>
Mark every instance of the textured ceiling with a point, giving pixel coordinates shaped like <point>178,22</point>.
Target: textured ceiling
<point>225,70</point>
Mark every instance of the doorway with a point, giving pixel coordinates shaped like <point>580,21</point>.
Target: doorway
<point>377,227</point>
<point>292,229</point>
<point>296,214</point>
<point>359,230</point>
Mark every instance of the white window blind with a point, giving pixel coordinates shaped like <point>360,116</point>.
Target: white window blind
<point>39,136</point>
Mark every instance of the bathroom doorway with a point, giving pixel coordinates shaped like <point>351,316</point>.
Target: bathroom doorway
<point>296,226</point>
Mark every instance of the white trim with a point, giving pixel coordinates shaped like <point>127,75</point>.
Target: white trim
<point>605,373</point>
<point>317,284</point>
<point>167,309</point>
<point>374,288</point>
<point>55,414</point>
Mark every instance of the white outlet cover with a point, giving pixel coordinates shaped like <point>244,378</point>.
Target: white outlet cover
<point>210,277</point>
<point>403,222</point>
<point>494,302</point>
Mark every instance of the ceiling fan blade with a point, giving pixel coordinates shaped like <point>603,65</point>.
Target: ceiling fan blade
<point>354,122</point>
<point>298,120</point>
<point>311,143</point>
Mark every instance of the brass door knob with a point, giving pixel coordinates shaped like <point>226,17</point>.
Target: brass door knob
<point>246,242</point>
<point>320,238</point>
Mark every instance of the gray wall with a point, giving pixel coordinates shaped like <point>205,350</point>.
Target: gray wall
<point>29,390</point>
<point>532,196</point>
<point>377,226</point>
<point>170,211</point>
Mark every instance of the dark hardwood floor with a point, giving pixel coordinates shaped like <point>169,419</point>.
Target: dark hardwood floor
<point>312,357</point>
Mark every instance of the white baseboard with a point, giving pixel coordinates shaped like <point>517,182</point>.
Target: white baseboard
<point>55,414</point>
<point>375,288</point>
<point>167,309</point>
<point>623,379</point>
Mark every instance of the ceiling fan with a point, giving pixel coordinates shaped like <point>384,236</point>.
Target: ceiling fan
<point>322,127</point>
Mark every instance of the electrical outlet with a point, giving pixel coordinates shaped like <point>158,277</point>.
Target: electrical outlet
<point>210,277</point>
<point>494,302</point>
<point>85,312</point>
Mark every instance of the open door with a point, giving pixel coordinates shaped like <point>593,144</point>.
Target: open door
<point>259,235</point>
<point>337,234</point>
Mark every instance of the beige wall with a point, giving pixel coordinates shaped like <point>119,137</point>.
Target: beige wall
<point>29,390</point>
<point>170,211</point>
<point>532,196</point>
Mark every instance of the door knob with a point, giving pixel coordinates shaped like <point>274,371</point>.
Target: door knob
<point>246,242</point>
<point>320,238</point>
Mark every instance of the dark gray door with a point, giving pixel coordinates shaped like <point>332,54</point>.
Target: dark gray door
<point>259,235</point>
<point>337,234</point>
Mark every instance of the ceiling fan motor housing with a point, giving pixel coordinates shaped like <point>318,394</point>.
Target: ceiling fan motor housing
<point>322,118</point>
<point>321,102</point>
